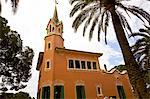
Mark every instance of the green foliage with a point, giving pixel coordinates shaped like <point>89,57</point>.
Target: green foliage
<point>121,67</point>
<point>141,48</point>
<point>20,95</point>
<point>15,60</point>
<point>14,4</point>
<point>97,14</point>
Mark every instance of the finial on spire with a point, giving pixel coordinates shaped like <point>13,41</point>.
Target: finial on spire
<point>55,16</point>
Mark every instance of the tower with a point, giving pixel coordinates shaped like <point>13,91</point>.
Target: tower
<point>46,60</point>
<point>54,29</point>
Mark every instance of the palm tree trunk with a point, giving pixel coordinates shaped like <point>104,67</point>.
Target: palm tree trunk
<point>135,74</point>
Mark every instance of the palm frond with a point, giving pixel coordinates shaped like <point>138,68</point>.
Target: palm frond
<point>87,23</point>
<point>100,24</point>
<point>123,7</point>
<point>124,23</point>
<point>77,7</point>
<point>136,10</point>
<point>140,34</point>
<point>93,25</point>
<point>79,19</point>
<point>106,23</point>
<point>73,1</point>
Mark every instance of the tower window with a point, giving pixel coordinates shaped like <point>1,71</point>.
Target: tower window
<point>59,30</point>
<point>49,45</point>
<point>77,63</point>
<point>53,29</point>
<point>50,28</point>
<point>47,65</point>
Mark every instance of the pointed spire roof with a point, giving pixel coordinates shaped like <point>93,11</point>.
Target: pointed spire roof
<point>55,16</point>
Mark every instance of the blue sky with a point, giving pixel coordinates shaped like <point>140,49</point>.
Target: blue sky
<point>31,20</point>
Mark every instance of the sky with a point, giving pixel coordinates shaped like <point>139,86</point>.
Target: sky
<point>31,20</point>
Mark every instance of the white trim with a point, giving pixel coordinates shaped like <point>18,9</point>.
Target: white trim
<point>45,85</point>
<point>86,68</point>
<point>101,93</point>
<point>79,83</point>
<point>58,82</point>
<point>49,42</point>
<point>45,65</point>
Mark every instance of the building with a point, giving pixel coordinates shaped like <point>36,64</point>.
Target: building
<point>73,74</point>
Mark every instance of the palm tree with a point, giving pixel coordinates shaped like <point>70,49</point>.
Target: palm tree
<point>14,5</point>
<point>141,51</point>
<point>141,48</point>
<point>100,12</point>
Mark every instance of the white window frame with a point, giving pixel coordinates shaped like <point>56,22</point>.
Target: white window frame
<point>50,64</point>
<point>96,66</point>
<point>68,64</point>
<point>101,93</point>
<point>86,67</point>
<point>48,45</point>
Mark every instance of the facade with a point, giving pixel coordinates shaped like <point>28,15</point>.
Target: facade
<point>72,74</point>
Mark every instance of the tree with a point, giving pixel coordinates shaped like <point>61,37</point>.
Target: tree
<point>100,12</point>
<point>19,95</point>
<point>141,51</point>
<point>120,67</point>
<point>15,60</point>
<point>14,5</point>
<point>141,48</point>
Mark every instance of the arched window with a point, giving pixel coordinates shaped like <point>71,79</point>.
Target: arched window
<point>46,92</point>
<point>50,28</point>
<point>53,29</point>
<point>59,30</point>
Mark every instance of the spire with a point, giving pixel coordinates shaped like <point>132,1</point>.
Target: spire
<point>55,16</point>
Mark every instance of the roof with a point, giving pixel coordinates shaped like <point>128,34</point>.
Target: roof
<point>113,70</point>
<point>77,51</point>
<point>40,58</point>
<point>55,16</point>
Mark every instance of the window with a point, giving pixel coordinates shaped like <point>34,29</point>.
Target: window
<point>99,91</point>
<point>71,65</point>
<point>50,28</point>
<point>39,75</point>
<point>80,92</point>
<point>83,64</point>
<point>38,94</point>
<point>77,64</point>
<point>88,65</point>
<point>53,29</point>
<point>49,45</point>
<point>46,92</point>
<point>112,97</point>
<point>59,30</point>
<point>47,64</point>
<point>58,92</point>
<point>94,65</point>
<point>121,92</point>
